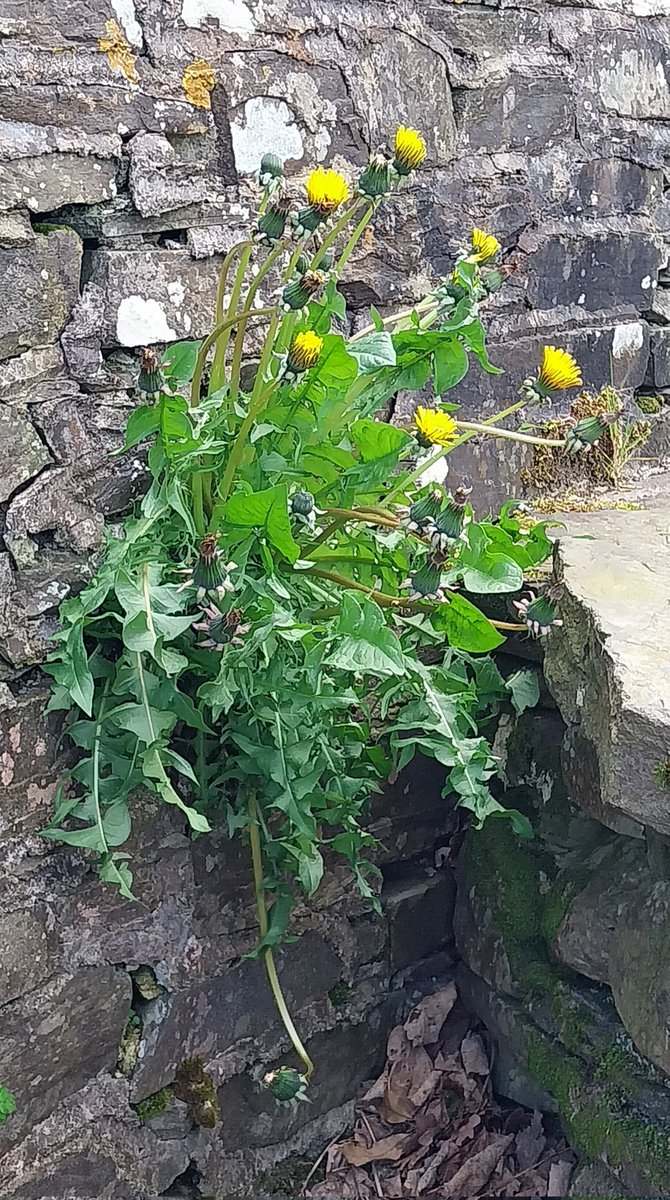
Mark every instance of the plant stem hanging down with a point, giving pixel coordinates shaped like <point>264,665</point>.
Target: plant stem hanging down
<point>268,959</point>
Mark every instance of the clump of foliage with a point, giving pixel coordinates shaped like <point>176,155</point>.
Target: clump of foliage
<point>7,1104</point>
<point>254,646</point>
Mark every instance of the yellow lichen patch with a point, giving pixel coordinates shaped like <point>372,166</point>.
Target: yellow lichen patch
<point>117,48</point>
<point>197,81</point>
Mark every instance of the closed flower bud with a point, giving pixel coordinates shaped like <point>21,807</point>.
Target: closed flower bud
<point>271,224</point>
<point>150,380</point>
<point>271,172</point>
<point>538,613</point>
<point>298,292</point>
<point>425,509</point>
<point>375,181</point>
<point>446,528</point>
<point>588,432</point>
<point>287,1086</point>
<point>425,583</point>
<point>302,504</point>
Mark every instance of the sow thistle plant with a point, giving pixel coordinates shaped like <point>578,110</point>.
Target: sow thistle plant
<point>257,644</point>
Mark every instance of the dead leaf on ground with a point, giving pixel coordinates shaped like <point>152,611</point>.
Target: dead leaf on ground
<point>391,1148</point>
<point>426,1019</point>
<point>476,1171</point>
<point>475,1058</point>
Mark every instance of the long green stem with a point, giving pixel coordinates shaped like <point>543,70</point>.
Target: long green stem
<point>357,232</point>
<point>96,767</point>
<point>238,349</point>
<point>213,337</point>
<point>492,431</point>
<point>333,234</point>
<point>219,365</point>
<point>268,959</point>
<point>398,318</point>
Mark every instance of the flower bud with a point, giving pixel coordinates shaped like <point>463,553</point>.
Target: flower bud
<point>298,292</point>
<point>150,381</point>
<point>375,180</point>
<point>588,432</point>
<point>271,224</point>
<point>286,1085</point>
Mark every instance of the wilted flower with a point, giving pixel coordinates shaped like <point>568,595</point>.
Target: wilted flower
<point>326,191</point>
<point>446,528</point>
<point>375,180</point>
<point>410,151</point>
<point>150,380</point>
<point>298,292</point>
<point>426,582</point>
<point>222,629</point>
<point>537,613</point>
<point>558,371</point>
<point>271,172</point>
<point>287,1085</point>
<point>303,353</point>
<point>484,246</point>
<point>434,428</point>
<point>271,224</point>
<point>588,432</point>
<point>209,573</point>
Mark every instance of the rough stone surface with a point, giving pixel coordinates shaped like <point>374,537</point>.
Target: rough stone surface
<point>604,667</point>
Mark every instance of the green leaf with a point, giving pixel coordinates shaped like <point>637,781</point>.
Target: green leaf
<point>450,365</point>
<point>146,724</point>
<point>334,300</point>
<point>465,626</point>
<point>142,422</point>
<point>152,767</point>
<point>7,1104</point>
<point>310,870</point>
<point>113,869</point>
<point>87,839</point>
<point>365,643</point>
<point>375,439</point>
<point>414,375</point>
<point>493,573</point>
<point>137,635</point>
<point>78,677</point>
<point>175,494</point>
<point>524,689</point>
<point>267,510</point>
<point>376,318</point>
<point>474,335</point>
<point>373,352</point>
<point>179,361</point>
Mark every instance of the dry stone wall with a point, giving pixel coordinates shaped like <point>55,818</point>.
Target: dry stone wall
<point>128,132</point>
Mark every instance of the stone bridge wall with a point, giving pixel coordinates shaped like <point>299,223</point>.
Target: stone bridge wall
<point>127,134</point>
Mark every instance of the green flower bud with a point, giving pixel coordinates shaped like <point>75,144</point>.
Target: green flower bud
<point>537,613</point>
<point>426,508</point>
<point>375,180</point>
<point>302,504</point>
<point>271,224</point>
<point>307,219</point>
<point>298,292</point>
<point>271,172</point>
<point>286,1085</point>
<point>425,583</point>
<point>588,432</point>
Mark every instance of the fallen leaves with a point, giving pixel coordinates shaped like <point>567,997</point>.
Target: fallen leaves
<point>430,1126</point>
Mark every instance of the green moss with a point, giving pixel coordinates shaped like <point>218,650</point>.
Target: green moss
<point>153,1106</point>
<point>558,900</point>
<point>339,993</point>
<point>661,773</point>
<point>196,1088</point>
<point>633,1140</point>
<point>288,1177</point>
<point>129,1046</point>
<point>649,404</point>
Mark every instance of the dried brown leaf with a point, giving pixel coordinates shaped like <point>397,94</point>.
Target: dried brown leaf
<point>475,1058</point>
<point>426,1019</point>
<point>559,1178</point>
<point>476,1170</point>
<point>530,1143</point>
<point>391,1148</point>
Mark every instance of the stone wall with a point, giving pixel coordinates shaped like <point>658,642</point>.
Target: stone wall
<point>127,135</point>
<point>564,941</point>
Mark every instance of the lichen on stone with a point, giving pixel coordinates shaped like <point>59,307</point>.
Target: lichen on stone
<point>154,1105</point>
<point>117,48</point>
<point>129,1047</point>
<point>198,81</point>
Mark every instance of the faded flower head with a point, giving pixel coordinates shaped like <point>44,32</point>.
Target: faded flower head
<point>410,150</point>
<point>434,428</point>
<point>150,380</point>
<point>209,573</point>
<point>538,613</point>
<point>426,582</point>
<point>272,223</point>
<point>222,629</point>
<point>484,246</point>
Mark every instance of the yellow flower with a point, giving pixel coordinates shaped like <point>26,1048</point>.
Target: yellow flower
<point>484,246</point>
<point>410,150</point>
<point>304,351</point>
<point>558,370</point>
<point>327,190</point>
<point>434,428</point>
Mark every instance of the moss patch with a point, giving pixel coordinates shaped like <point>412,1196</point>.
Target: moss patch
<point>288,1177</point>
<point>339,993</point>
<point>153,1106</point>
<point>196,1088</point>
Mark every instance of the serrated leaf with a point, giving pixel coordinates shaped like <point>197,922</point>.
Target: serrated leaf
<point>114,869</point>
<point>376,439</point>
<point>524,690</point>
<point>267,510</point>
<point>450,365</point>
<point>494,573</point>
<point>135,719</point>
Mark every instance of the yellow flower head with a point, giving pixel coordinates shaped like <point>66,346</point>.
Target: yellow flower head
<point>410,150</point>
<point>327,190</point>
<point>558,370</point>
<point>434,428</point>
<point>304,351</point>
<point>484,246</point>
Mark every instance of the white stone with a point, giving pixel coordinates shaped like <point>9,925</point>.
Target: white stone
<point>140,322</point>
<point>125,11</point>
<point>233,16</point>
<point>266,126</point>
<point>627,339</point>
